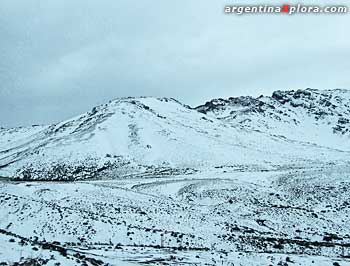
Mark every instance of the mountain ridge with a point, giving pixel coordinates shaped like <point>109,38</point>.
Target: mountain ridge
<point>328,111</point>
<point>132,134</point>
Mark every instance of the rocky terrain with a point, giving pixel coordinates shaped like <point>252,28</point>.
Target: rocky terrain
<point>315,116</point>
<point>242,181</point>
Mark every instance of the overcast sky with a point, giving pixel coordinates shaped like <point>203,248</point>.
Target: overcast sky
<point>60,58</point>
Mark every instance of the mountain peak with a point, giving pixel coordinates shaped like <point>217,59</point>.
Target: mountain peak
<point>325,113</point>
<point>294,126</point>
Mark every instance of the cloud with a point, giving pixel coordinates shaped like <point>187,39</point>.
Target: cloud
<point>60,58</point>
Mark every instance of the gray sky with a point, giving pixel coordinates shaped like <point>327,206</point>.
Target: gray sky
<point>60,58</point>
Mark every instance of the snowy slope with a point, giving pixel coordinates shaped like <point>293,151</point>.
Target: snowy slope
<point>317,116</point>
<point>242,181</point>
<point>223,217</point>
<point>138,134</point>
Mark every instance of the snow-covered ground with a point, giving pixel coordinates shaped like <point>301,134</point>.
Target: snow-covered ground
<point>148,180</point>
<point>218,217</point>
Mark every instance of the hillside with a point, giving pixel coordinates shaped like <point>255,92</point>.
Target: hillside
<point>155,135</point>
<point>316,116</point>
<point>242,181</point>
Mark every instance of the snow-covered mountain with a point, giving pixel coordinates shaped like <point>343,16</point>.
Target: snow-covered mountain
<point>317,116</point>
<point>140,135</point>
<point>242,181</point>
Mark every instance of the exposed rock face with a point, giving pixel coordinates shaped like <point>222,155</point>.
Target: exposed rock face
<point>308,115</point>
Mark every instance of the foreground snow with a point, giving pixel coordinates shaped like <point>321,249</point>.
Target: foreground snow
<point>218,217</point>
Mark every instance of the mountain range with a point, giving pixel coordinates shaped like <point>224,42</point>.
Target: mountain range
<point>161,135</point>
